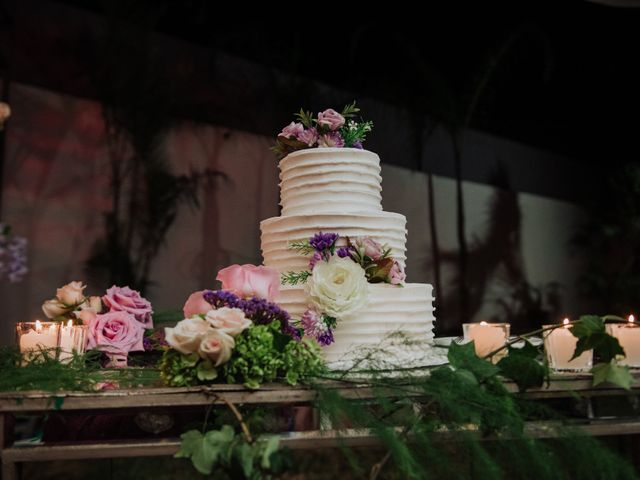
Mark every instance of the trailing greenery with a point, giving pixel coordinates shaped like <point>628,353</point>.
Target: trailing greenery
<point>294,278</point>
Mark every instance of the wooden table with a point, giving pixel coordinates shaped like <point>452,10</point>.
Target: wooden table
<point>148,399</point>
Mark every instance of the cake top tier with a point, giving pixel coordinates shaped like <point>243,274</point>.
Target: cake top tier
<point>330,180</point>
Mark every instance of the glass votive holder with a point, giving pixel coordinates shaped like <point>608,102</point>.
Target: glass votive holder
<point>560,344</point>
<point>487,338</point>
<point>628,335</point>
<point>73,339</point>
<point>37,340</point>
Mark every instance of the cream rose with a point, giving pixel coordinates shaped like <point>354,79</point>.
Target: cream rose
<point>187,334</point>
<point>217,347</point>
<point>71,293</point>
<point>338,287</point>
<point>229,320</point>
<point>54,308</point>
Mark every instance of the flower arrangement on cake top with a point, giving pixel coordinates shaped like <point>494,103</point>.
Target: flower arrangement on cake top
<point>340,270</point>
<point>328,129</point>
<point>238,334</point>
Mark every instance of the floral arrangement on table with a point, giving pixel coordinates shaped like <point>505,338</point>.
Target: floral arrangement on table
<point>339,270</point>
<point>238,335</point>
<point>328,129</point>
<point>13,252</point>
<point>116,321</point>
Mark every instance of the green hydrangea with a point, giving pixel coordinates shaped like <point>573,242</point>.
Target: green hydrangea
<point>301,359</point>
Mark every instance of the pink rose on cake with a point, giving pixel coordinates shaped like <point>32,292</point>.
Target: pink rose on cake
<point>115,332</point>
<point>369,247</point>
<point>127,300</point>
<point>293,130</point>
<point>308,137</point>
<point>331,119</point>
<point>251,281</point>
<point>397,275</point>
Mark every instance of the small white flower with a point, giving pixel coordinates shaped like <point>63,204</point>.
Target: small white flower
<point>338,287</point>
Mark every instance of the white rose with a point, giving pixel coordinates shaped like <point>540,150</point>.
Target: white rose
<point>338,287</point>
<point>229,320</point>
<point>187,334</point>
<point>54,308</point>
<point>217,346</point>
<point>71,293</point>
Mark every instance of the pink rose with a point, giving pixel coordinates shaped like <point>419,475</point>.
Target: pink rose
<point>330,118</point>
<point>331,139</point>
<point>397,275</point>
<point>115,332</point>
<point>229,320</point>
<point>196,305</point>
<point>370,247</point>
<point>309,137</point>
<point>217,346</point>
<point>126,300</point>
<point>251,281</point>
<point>292,130</point>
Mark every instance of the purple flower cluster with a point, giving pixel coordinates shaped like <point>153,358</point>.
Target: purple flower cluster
<point>323,241</point>
<point>13,256</point>
<point>258,310</point>
<point>314,326</point>
<point>155,341</point>
<point>344,252</point>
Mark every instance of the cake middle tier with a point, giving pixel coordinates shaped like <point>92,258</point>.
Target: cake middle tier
<point>278,233</point>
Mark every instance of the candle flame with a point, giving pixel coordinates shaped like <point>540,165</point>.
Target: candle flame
<point>483,323</point>
<point>565,322</point>
<point>631,319</point>
<point>38,326</point>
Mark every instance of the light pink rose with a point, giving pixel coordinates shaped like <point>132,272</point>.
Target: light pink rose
<point>229,320</point>
<point>187,334</point>
<point>397,275</point>
<point>86,316</point>
<point>331,139</point>
<point>330,118</point>
<point>370,247</point>
<point>88,310</point>
<point>251,281</point>
<point>309,137</point>
<point>71,294</point>
<point>196,305</point>
<point>115,332</point>
<point>54,308</point>
<point>127,300</point>
<point>292,130</point>
<point>217,346</point>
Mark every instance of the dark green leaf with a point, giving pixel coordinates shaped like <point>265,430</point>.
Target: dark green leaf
<point>588,325</point>
<point>528,350</point>
<point>603,345</point>
<point>57,403</point>
<point>466,376</point>
<point>244,453</point>
<point>526,371</point>
<point>195,446</point>
<point>613,373</point>
<point>464,356</point>
<point>280,341</point>
<point>271,446</point>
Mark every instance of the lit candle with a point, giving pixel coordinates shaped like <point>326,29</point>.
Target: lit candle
<point>560,345</point>
<point>487,337</point>
<point>66,342</point>
<point>36,337</point>
<point>628,334</point>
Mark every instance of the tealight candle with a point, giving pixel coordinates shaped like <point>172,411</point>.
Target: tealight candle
<point>487,337</point>
<point>560,345</point>
<point>36,337</point>
<point>72,339</point>
<point>628,334</point>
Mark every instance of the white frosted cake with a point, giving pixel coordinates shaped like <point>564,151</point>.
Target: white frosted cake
<point>339,190</point>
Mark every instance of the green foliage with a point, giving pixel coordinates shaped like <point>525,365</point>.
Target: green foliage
<point>353,132</point>
<point>305,118</point>
<point>225,450</point>
<point>178,370</point>
<point>463,357</point>
<point>294,278</point>
<point>522,366</point>
<point>613,373</point>
<point>302,360</point>
<point>350,111</point>
<point>303,247</point>
<point>592,335</point>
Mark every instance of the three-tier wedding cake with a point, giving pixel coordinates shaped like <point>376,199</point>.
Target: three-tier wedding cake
<point>339,190</point>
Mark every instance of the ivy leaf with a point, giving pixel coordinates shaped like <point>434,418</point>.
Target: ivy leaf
<point>464,356</point>
<point>195,446</point>
<point>280,341</point>
<point>613,373</point>
<point>588,325</point>
<point>526,371</point>
<point>245,456</point>
<point>603,345</point>
<point>528,350</point>
<point>271,446</point>
<point>466,376</point>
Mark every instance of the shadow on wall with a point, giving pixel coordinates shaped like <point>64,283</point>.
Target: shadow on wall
<point>496,258</point>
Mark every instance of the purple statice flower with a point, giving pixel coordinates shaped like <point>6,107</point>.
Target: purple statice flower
<point>317,257</point>
<point>314,326</point>
<point>331,139</point>
<point>258,310</point>
<point>357,144</point>
<point>344,252</point>
<point>323,241</point>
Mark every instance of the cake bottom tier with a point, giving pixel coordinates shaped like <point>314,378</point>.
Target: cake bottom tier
<point>394,329</point>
